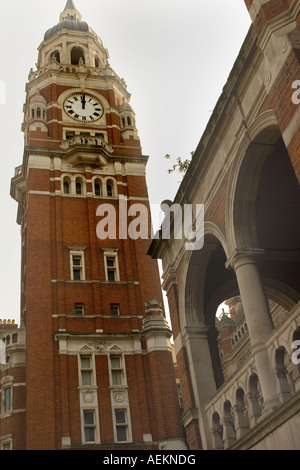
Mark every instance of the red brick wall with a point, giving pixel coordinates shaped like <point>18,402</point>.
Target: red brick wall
<point>280,100</point>
<point>216,210</point>
<point>52,225</point>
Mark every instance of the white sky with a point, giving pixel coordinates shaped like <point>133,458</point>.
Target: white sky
<point>175,56</point>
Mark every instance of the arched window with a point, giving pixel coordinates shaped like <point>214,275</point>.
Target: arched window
<point>77,55</point>
<point>109,188</point>
<point>32,113</point>
<point>66,186</point>
<point>123,122</point>
<point>129,121</point>
<point>78,186</point>
<point>97,187</point>
<point>38,112</point>
<point>97,62</point>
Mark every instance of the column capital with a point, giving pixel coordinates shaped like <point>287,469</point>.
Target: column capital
<point>169,279</point>
<point>244,256</point>
<point>195,332</point>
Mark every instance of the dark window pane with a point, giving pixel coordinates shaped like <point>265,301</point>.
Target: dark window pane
<point>97,189</point>
<point>86,377</point>
<point>77,275</point>
<point>120,417</point>
<point>66,187</point>
<point>109,190</point>
<point>78,188</point>
<point>121,433</point>
<point>89,417</point>
<point>89,434</point>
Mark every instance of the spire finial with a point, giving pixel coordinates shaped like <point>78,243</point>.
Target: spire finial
<point>70,12</point>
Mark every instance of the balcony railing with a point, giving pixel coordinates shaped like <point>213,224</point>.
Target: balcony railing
<point>237,408</point>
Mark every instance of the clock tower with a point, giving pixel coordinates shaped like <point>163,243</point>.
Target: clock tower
<point>99,369</point>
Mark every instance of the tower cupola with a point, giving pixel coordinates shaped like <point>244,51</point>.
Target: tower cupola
<point>70,19</point>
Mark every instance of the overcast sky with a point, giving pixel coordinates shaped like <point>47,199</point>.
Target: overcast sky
<point>175,56</point>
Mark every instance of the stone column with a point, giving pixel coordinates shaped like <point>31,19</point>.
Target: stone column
<point>258,319</point>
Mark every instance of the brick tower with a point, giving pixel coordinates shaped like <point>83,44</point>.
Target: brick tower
<point>99,369</point>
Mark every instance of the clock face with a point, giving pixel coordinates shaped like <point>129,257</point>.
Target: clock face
<point>83,107</point>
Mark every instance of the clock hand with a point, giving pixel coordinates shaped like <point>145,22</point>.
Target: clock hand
<point>83,101</point>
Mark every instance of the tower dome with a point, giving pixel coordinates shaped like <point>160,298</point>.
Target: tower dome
<point>70,19</point>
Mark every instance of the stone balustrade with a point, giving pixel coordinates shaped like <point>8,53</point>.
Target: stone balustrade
<point>238,406</point>
<point>82,140</point>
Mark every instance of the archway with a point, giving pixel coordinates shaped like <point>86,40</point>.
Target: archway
<point>265,213</point>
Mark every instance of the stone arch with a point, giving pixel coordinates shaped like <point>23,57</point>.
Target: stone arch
<point>229,433</point>
<point>241,419</point>
<point>264,124</point>
<point>263,208</point>
<point>254,399</point>
<point>206,283</point>
<point>77,55</point>
<point>281,372</point>
<point>217,432</point>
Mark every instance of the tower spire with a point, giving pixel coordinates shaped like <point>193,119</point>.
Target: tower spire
<point>70,5</point>
<point>70,12</point>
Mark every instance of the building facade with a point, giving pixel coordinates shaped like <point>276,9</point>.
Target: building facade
<point>98,371</point>
<point>239,373</point>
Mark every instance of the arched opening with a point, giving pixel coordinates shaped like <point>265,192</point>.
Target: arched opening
<point>281,371</point>
<point>241,416</point>
<point>97,62</point>
<point>219,285</point>
<point>229,434</point>
<point>97,187</point>
<point>77,56</point>
<point>217,432</point>
<point>55,57</point>
<point>110,188</point>
<point>266,213</point>
<point>78,186</point>
<point>66,186</point>
<point>208,283</point>
<point>254,399</point>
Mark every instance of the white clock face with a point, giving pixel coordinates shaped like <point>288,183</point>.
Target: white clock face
<point>83,107</point>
